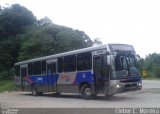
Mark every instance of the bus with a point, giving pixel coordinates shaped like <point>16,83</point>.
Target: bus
<point>104,69</point>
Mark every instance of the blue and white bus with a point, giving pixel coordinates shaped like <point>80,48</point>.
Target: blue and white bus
<point>106,69</point>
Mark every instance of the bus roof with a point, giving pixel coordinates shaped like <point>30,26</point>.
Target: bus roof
<point>108,47</point>
<point>103,46</point>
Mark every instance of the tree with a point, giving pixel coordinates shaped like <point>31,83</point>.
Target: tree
<point>13,19</point>
<point>51,39</point>
<point>152,64</point>
<point>97,41</point>
<point>44,21</point>
<point>9,52</point>
<point>35,41</point>
<point>23,37</point>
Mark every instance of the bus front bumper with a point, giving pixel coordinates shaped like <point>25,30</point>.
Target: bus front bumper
<point>125,87</point>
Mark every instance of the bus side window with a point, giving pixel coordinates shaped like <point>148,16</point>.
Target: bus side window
<point>84,61</point>
<point>37,68</point>
<point>43,67</point>
<point>30,68</point>
<point>60,65</point>
<point>70,63</point>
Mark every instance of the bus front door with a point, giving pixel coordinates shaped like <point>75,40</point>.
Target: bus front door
<point>101,74</point>
<point>52,76</point>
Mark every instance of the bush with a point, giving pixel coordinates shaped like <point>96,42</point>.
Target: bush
<point>6,85</point>
<point>7,75</point>
<point>157,72</point>
<point>11,74</point>
<point>4,75</point>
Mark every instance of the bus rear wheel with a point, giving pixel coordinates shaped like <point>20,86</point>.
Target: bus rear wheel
<point>86,92</point>
<point>35,91</point>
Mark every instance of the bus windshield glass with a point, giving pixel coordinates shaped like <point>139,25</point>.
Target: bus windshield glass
<point>125,65</point>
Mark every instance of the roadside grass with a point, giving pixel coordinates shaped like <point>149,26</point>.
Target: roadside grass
<point>6,85</point>
<point>151,78</point>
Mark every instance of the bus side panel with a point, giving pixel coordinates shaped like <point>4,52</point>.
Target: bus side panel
<point>66,81</point>
<point>84,77</point>
<point>69,82</point>
<point>44,83</point>
<point>39,81</point>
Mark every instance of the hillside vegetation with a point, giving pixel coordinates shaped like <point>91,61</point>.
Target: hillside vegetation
<point>23,36</point>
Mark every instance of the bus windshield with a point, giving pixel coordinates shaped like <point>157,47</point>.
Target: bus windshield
<point>125,65</point>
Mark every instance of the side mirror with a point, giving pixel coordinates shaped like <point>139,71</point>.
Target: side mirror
<point>108,59</point>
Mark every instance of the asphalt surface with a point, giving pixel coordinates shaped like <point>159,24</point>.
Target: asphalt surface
<point>149,96</point>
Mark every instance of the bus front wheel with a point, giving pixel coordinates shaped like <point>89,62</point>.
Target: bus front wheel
<point>86,92</point>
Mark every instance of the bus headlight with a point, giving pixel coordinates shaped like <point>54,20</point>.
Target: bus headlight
<point>139,84</point>
<point>118,86</point>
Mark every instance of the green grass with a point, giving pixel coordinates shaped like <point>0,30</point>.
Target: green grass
<point>6,85</point>
<point>151,78</point>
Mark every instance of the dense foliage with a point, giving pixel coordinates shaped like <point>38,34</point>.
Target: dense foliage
<point>152,65</point>
<point>22,37</point>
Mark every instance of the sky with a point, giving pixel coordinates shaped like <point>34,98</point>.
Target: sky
<point>134,22</point>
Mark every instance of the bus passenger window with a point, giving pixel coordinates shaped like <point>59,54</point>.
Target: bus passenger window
<point>60,64</point>
<point>70,63</point>
<point>84,61</point>
<point>30,68</point>
<point>43,67</point>
<point>37,68</point>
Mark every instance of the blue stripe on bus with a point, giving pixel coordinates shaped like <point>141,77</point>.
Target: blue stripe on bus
<point>51,80</point>
<point>44,79</point>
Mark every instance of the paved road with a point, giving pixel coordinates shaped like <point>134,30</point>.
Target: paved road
<point>148,84</point>
<point>149,96</point>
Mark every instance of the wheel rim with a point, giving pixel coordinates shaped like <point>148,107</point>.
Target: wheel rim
<point>88,91</point>
<point>34,91</point>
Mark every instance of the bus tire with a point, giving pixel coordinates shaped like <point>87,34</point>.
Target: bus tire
<point>56,94</point>
<point>86,92</point>
<point>108,96</point>
<point>34,91</point>
<point>40,93</point>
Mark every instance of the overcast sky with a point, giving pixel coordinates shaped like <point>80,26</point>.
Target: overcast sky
<point>135,22</point>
